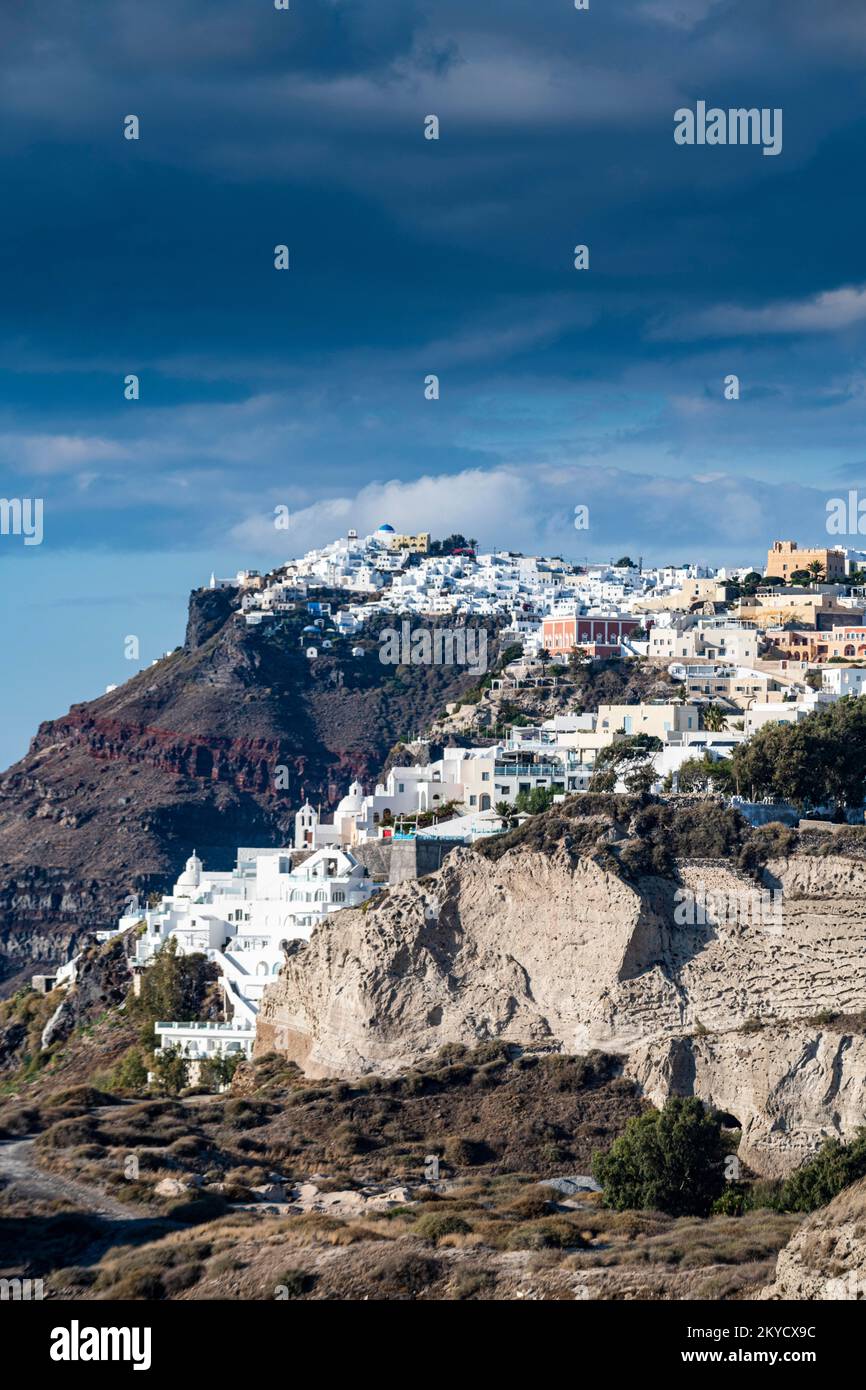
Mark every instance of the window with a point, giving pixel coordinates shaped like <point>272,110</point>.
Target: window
<point>338,896</point>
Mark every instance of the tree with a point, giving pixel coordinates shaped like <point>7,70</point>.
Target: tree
<point>625,562</point>
<point>451,543</point>
<point>800,577</point>
<point>630,759</point>
<point>130,1074</point>
<point>218,1071</point>
<point>816,570</point>
<point>714,718</point>
<point>704,775</point>
<point>821,759</point>
<point>672,1160</point>
<point>534,802</point>
<point>173,986</point>
<point>171,1070</point>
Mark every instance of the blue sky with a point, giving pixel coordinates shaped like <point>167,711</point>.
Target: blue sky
<point>410,257</point>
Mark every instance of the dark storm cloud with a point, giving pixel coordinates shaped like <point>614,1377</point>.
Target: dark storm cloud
<point>411,257</point>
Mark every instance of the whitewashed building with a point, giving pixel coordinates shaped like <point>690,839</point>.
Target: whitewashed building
<point>240,919</point>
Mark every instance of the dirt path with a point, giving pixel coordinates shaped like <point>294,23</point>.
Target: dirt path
<point>18,1166</point>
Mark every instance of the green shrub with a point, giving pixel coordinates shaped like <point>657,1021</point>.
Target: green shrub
<point>732,1202</point>
<point>670,1160</point>
<point>433,1225</point>
<point>557,1233</point>
<point>817,1182</point>
<point>130,1073</point>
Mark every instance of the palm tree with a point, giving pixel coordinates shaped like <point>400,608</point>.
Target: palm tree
<point>714,718</point>
<point>816,569</point>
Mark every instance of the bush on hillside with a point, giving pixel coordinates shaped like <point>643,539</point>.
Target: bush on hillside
<point>821,1179</point>
<point>669,1160</point>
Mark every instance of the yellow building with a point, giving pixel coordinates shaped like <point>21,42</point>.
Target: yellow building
<point>744,688</point>
<point>682,600</point>
<point>792,606</point>
<point>656,720</point>
<point>786,557</point>
<point>416,545</point>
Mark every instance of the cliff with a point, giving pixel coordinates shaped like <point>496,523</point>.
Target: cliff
<point>560,947</point>
<point>112,796</point>
<point>826,1258</point>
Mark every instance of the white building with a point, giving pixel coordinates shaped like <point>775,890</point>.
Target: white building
<point>844,680</point>
<point>241,918</point>
<point>784,711</point>
<point>200,1041</point>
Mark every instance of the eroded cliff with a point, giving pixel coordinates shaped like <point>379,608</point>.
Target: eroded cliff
<point>742,1008</point>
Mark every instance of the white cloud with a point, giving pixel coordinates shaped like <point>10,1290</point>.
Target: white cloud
<point>679,14</point>
<point>712,516</point>
<point>56,453</point>
<point>829,312</point>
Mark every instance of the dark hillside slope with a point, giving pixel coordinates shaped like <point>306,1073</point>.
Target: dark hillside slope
<point>114,795</point>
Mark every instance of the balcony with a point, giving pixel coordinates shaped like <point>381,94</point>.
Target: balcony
<point>529,769</point>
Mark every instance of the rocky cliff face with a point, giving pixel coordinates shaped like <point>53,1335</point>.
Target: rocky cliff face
<point>543,946</point>
<point>112,796</point>
<point>826,1259</point>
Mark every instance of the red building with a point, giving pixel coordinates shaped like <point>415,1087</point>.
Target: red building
<point>597,636</point>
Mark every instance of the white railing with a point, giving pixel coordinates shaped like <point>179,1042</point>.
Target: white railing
<point>206,1027</point>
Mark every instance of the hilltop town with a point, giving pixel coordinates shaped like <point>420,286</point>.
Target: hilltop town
<point>722,655</point>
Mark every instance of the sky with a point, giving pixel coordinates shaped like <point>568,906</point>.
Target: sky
<point>304,388</point>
